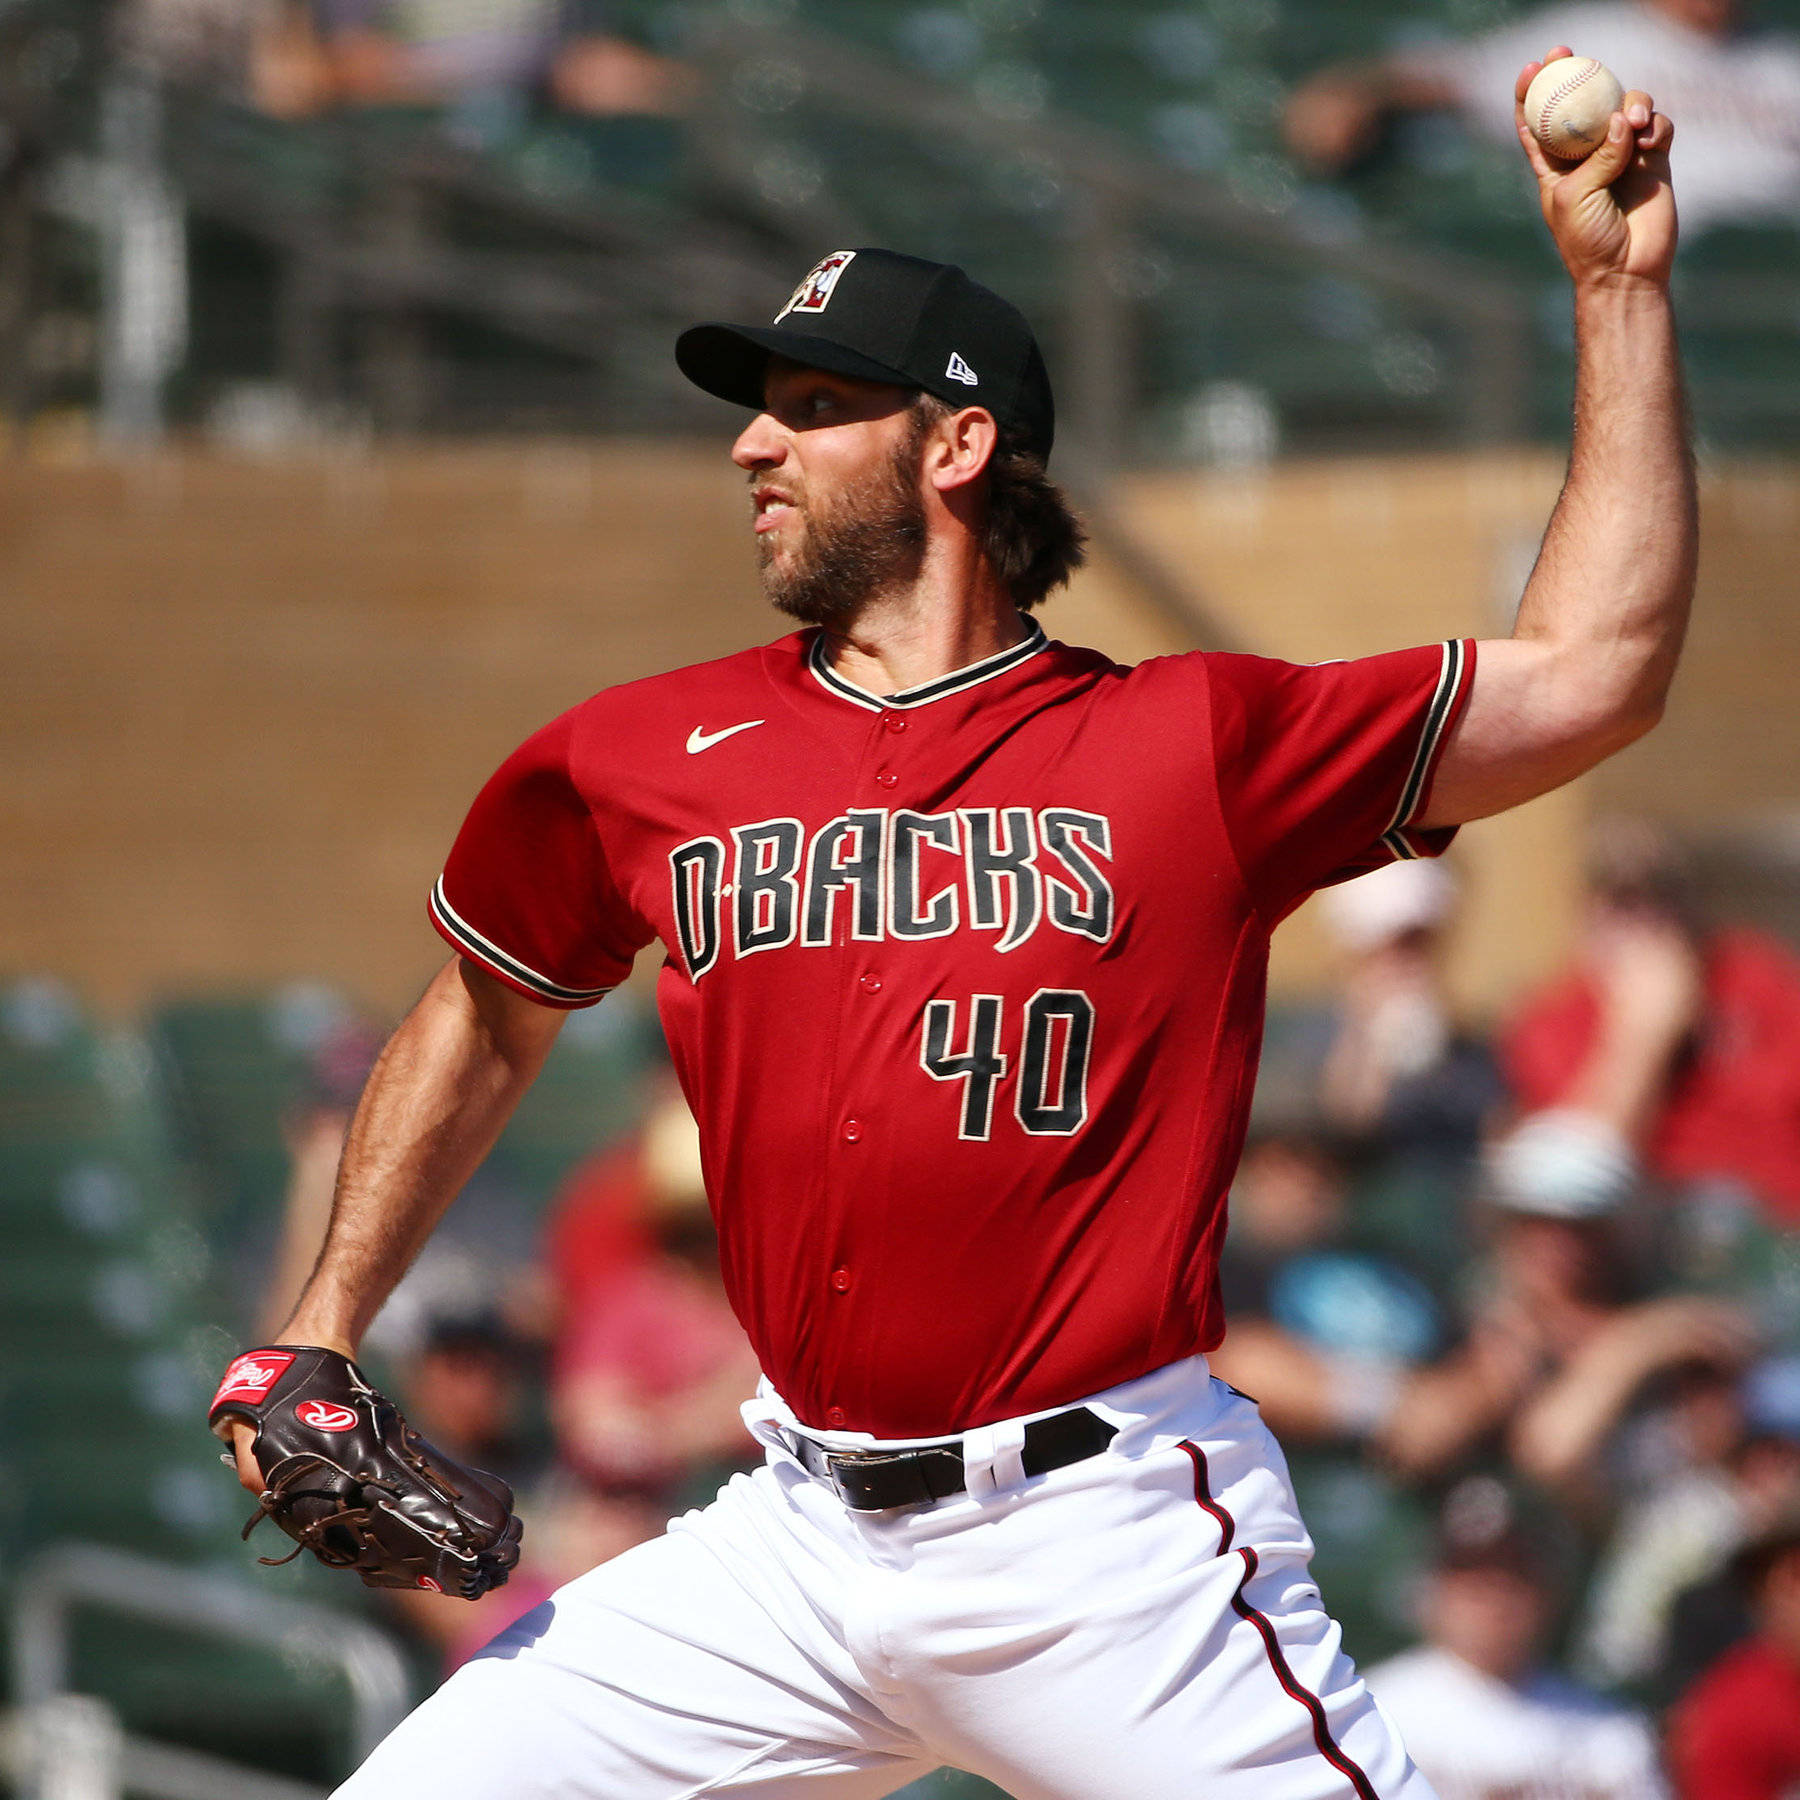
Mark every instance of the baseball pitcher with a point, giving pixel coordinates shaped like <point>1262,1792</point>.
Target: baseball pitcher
<point>964,933</point>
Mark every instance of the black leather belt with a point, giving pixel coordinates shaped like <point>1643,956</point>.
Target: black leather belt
<point>876,1480</point>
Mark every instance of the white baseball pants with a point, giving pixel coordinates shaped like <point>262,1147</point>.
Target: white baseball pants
<point>1138,1626</point>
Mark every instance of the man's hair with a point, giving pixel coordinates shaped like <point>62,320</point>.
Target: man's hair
<point>1030,534</point>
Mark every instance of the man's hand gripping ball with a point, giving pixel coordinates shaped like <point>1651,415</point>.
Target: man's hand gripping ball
<point>347,1478</point>
<point>1613,214</point>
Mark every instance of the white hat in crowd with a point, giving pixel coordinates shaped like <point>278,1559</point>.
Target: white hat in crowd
<point>1375,909</point>
<point>1561,1164</point>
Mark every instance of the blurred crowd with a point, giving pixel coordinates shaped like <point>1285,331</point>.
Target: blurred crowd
<point>1549,1281</point>
<point>1731,82</point>
<point>1542,1286</point>
<point>1731,85</point>
<point>484,62</point>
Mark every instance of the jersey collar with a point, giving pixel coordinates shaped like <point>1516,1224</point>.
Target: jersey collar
<point>953,683</point>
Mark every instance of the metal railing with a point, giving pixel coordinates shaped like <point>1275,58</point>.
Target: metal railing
<point>68,1746</point>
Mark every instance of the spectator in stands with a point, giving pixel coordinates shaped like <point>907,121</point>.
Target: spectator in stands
<point>490,66</point>
<point>648,1365</point>
<point>1480,1713</point>
<point>1322,1331</point>
<point>1708,1618</point>
<point>1736,1734</point>
<point>1386,1067</point>
<point>464,1392</point>
<point>1735,89</point>
<point>262,53</point>
<point>1400,1075</point>
<point>1558,1357</point>
<point>1657,1600</point>
<point>430,52</point>
<point>598,73</point>
<point>1699,1029</point>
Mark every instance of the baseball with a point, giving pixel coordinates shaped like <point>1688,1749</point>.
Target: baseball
<point>1568,104</point>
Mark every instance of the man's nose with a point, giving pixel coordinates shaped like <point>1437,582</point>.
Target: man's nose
<point>761,445</point>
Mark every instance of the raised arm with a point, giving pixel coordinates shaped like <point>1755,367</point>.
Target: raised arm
<point>437,1099</point>
<point>1599,629</point>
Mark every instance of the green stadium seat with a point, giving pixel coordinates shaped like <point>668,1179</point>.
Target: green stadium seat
<point>1373,1540</point>
<point>233,1066</point>
<point>950,1784</point>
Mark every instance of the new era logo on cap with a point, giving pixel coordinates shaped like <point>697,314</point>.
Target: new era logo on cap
<point>960,371</point>
<point>813,295</point>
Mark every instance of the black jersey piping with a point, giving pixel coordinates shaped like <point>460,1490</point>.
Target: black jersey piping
<point>483,950</point>
<point>953,683</point>
<point>1437,715</point>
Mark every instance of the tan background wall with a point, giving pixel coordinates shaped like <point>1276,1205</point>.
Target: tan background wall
<point>243,705</point>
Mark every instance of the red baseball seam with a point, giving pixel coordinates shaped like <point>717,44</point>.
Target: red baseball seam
<point>1321,1729</point>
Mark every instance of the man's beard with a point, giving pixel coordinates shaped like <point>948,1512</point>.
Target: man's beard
<point>867,542</point>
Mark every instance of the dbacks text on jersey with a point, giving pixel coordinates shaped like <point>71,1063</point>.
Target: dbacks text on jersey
<point>873,873</point>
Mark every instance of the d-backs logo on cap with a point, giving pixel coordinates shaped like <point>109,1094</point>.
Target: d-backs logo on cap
<point>813,295</point>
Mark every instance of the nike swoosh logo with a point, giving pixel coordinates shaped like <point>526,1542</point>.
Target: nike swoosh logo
<point>699,740</point>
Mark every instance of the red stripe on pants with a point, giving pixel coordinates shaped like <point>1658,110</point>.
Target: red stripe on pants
<point>1328,1746</point>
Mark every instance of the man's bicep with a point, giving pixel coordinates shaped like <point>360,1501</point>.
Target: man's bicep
<point>1534,719</point>
<point>522,1027</point>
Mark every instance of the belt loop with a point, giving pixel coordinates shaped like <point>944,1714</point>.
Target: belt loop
<point>993,1458</point>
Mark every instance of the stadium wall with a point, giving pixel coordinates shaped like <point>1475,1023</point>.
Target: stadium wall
<point>246,701</point>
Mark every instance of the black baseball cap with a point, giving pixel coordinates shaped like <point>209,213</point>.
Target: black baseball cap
<point>880,316</point>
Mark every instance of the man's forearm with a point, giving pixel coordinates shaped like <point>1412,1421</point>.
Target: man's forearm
<point>1615,577</point>
<point>438,1098</point>
<point>1600,625</point>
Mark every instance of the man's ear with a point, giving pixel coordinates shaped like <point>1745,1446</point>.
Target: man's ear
<point>960,448</point>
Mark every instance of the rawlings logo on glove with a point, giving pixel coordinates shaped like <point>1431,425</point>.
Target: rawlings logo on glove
<point>347,1478</point>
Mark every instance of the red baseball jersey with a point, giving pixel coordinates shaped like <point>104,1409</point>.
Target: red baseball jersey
<point>964,984</point>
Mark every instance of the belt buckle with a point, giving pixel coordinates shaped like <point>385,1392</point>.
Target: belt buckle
<point>843,1467</point>
<point>839,1462</point>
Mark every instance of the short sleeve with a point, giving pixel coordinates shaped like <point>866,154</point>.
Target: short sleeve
<point>1324,768</point>
<point>526,892</point>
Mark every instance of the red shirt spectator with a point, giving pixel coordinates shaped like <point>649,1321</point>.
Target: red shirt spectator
<point>1732,1103</point>
<point>1737,1734</point>
<point>648,1364</point>
<point>599,1229</point>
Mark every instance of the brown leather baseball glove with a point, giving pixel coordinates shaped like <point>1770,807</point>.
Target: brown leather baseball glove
<point>347,1478</point>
